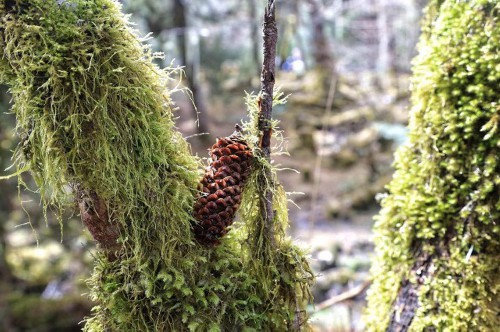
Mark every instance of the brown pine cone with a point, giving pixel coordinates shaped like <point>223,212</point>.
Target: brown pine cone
<point>221,188</point>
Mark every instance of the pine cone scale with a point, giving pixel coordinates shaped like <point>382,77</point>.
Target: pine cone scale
<point>220,188</point>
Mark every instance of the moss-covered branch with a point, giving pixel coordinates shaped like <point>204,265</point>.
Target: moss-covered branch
<point>95,217</point>
<point>96,124</point>
<point>438,234</point>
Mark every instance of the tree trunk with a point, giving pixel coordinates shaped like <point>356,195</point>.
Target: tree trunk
<point>324,62</point>
<point>191,68</point>
<point>438,236</point>
<point>6,189</point>
<point>322,52</point>
<point>6,276</point>
<point>255,36</point>
<point>5,272</point>
<point>386,66</point>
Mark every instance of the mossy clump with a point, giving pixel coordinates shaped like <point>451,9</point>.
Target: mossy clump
<point>93,112</point>
<point>444,199</point>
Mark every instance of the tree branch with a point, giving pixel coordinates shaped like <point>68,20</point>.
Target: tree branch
<point>348,295</point>
<point>265,112</point>
<point>95,217</point>
<point>267,76</point>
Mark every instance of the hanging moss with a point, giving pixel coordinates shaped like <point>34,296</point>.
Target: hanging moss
<point>93,112</point>
<point>442,213</point>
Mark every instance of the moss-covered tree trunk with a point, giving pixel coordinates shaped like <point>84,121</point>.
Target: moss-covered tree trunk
<point>96,127</point>
<point>437,266</point>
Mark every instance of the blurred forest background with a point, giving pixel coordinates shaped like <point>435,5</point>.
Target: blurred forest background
<point>345,65</point>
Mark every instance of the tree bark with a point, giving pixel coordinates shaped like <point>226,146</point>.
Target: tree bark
<point>265,111</point>
<point>94,215</point>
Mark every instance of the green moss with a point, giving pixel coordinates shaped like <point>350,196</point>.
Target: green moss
<point>92,110</point>
<point>445,192</point>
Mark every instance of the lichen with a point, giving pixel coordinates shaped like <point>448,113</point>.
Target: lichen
<point>93,111</point>
<point>444,197</point>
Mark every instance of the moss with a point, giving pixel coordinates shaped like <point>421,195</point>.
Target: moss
<point>93,111</point>
<point>444,196</point>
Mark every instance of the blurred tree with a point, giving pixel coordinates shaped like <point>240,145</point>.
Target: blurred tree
<point>386,65</point>
<point>6,276</point>
<point>322,52</point>
<point>192,67</point>
<point>172,17</point>
<point>255,35</point>
<point>438,234</point>
<point>6,188</point>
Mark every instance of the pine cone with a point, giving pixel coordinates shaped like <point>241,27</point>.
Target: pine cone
<point>221,188</point>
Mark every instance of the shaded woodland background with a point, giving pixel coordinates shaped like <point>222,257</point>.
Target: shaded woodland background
<point>346,66</point>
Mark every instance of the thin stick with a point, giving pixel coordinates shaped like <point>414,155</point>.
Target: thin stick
<point>265,111</point>
<point>319,156</point>
<point>350,294</point>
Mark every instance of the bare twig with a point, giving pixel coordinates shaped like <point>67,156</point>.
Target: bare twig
<point>267,76</point>
<point>350,294</point>
<point>265,111</point>
<point>319,156</point>
<point>267,80</point>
